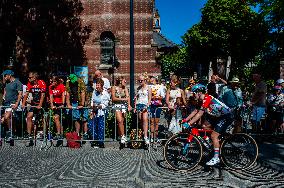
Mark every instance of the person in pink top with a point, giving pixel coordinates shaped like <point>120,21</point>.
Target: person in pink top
<point>57,100</point>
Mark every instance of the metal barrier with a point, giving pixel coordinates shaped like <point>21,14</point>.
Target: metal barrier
<point>180,113</point>
<point>18,115</point>
<point>46,123</point>
<point>92,122</point>
<point>133,133</point>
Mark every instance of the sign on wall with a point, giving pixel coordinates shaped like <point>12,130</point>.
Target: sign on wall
<point>82,72</point>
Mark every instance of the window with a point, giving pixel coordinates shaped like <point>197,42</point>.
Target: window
<point>107,47</point>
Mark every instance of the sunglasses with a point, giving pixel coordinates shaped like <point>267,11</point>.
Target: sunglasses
<point>140,81</point>
<point>30,77</point>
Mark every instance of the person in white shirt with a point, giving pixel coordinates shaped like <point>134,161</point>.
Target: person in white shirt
<point>98,74</point>
<point>100,100</point>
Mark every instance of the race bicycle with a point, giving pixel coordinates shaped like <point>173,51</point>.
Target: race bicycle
<point>184,151</point>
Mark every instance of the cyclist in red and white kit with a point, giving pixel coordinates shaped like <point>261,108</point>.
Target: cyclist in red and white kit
<point>217,114</point>
<point>37,88</point>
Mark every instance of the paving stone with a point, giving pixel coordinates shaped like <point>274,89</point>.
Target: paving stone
<point>110,167</point>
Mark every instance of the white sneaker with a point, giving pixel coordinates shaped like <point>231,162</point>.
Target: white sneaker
<point>213,161</point>
<point>123,140</point>
<point>146,140</point>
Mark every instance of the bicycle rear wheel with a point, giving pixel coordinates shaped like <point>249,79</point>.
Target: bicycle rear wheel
<point>239,151</point>
<point>181,154</point>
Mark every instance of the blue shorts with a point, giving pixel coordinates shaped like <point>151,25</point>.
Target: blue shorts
<point>257,113</point>
<point>79,114</point>
<point>155,111</point>
<point>141,107</point>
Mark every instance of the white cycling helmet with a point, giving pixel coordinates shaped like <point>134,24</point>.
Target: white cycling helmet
<point>280,81</point>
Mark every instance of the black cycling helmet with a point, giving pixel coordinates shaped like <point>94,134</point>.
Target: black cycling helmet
<point>198,88</point>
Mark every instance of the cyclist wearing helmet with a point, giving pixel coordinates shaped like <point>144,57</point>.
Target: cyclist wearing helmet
<point>217,114</point>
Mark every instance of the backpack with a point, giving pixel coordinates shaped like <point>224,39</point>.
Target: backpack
<point>70,137</point>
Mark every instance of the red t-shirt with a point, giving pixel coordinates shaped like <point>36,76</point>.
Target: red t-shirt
<point>57,92</point>
<point>36,89</point>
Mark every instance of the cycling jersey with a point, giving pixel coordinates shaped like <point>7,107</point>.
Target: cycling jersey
<point>214,107</point>
<point>57,92</point>
<point>36,89</point>
<point>219,115</point>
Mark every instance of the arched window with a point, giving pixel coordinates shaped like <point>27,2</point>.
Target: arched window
<point>107,47</point>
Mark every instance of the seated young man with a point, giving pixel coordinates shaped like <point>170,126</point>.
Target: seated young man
<point>217,114</point>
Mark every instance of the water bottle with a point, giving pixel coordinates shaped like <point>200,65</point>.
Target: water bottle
<point>203,141</point>
<point>207,140</point>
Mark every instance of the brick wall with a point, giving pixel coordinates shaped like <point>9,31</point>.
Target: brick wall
<point>113,15</point>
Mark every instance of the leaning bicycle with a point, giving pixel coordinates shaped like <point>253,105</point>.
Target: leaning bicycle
<point>184,151</point>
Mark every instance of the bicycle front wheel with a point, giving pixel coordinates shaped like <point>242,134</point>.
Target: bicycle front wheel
<point>239,151</point>
<point>181,154</point>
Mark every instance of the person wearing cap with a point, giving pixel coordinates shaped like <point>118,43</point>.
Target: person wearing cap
<point>231,95</point>
<point>12,96</point>
<point>275,108</point>
<point>37,88</point>
<point>76,101</point>
<point>258,101</point>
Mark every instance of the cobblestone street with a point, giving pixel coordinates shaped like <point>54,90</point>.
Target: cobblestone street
<point>111,167</point>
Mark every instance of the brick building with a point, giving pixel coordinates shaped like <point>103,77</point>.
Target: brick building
<point>110,37</point>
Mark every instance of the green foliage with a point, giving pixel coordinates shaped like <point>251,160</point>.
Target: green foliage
<point>110,124</point>
<point>273,12</point>
<point>174,62</point>
<point>227,28</point>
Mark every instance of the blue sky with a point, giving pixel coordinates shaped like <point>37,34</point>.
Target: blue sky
<point>177,16</point>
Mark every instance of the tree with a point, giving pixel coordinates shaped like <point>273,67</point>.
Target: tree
<point>273,12</point>
<point>45,34</point>
<point>175,62</point>
<point>227,28</point>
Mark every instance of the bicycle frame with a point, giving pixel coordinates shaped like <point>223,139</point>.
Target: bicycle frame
<point>196,132</point>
